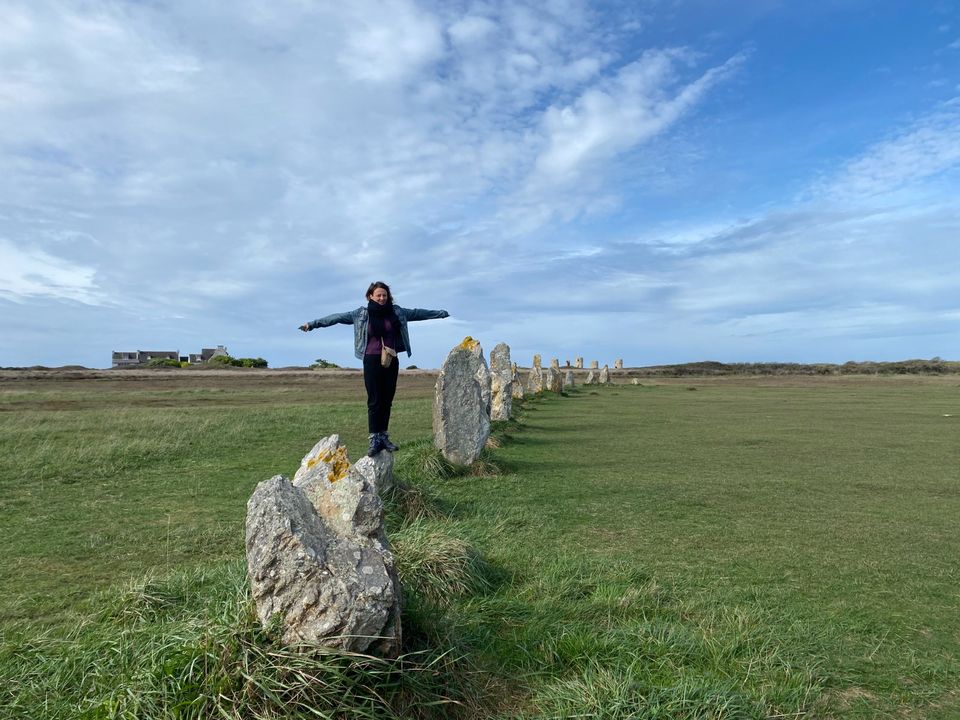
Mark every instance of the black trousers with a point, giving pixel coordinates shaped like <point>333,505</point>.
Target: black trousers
<point>381,384</point>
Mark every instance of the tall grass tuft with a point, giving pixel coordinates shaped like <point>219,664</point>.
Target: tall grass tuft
<point>423,462</point>
<point>407,502</point>
<point>191,647</point>
<point>436,565</point>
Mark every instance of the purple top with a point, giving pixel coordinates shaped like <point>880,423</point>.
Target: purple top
<point>373,343</point>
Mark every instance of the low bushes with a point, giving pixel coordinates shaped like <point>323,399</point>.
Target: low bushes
<point>237,362</point>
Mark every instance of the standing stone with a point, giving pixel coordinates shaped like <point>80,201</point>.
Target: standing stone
<point>483,376</point>
<point>535,380</point>
<point>594,365</point>
<point>318,556</point>
<point>591,379</point>
<point>517,385</point>
<point>605,375</point>
<point>555,363</point>
<point>578,363</point>
<point>461,423</point>
<point>568,380</point>
<point>618,364</point>
<point>553,380</point>
<point>536,361</point>
<point>501,376</point>
<point>635,381</point>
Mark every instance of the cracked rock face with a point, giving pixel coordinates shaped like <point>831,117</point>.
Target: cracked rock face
<point>501,378</point>
<point>604,375</point>
<point>318,556</point>
<point>553,380</point>
<point>568,380</point>
<point>535,380</point>
<point>461,417</point>
<point>516,389</point>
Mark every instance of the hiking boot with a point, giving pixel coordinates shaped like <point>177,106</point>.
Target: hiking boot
<point>387,445</point>
<point>376,444</point>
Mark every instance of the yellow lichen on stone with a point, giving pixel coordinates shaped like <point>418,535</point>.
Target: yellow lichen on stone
<point>469,343</point>
<point>338,462</point>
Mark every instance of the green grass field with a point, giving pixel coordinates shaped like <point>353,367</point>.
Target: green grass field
<point>722,548</point>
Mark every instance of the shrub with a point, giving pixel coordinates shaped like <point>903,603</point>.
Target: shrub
<point>321,364</point>
<point>227,360</point>
<point>163,362</point>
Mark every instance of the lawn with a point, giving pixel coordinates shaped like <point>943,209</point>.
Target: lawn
<point>778,547</point>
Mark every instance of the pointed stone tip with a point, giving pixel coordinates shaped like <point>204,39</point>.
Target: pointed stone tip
<point>469,344</point>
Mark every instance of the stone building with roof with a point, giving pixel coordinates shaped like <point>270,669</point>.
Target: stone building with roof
<point>133,358</point>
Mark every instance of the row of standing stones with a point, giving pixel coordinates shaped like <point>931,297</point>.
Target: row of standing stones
<point>317,552</point>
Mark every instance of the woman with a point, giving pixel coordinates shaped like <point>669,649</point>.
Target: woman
<point>379,324</point>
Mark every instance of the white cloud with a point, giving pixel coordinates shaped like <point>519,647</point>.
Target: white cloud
<point>389,40</point>
<point>640,102</point>
<point>27,273</point>
<point>923,150</point>
<point>471,29</point>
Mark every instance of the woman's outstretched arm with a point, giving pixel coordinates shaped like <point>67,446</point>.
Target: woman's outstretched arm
<point>421,314</point>
<point>345,318</point>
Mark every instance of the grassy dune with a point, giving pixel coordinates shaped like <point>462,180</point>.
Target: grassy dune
<point>696,548</point>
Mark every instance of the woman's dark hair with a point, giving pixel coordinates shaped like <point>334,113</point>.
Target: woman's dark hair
<point>378,284</point>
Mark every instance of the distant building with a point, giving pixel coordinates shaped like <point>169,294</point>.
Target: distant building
<point>206,353</point>
<point>142,357</point>
<point>131,358</point>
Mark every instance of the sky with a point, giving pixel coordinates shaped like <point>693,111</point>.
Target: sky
<point>659,181</point>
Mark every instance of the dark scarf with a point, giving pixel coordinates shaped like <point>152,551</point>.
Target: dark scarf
<point>378,313</point>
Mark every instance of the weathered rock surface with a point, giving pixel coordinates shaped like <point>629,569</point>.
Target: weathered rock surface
<point>578,363</point>
<point>318,556</point>
<point>594,365</point>
<point>568,380</point>
<point>517,385</point>
<point>501,383</point>
<point>555,363</point>
<point>461,420</point>
<point>591,379</point>
<point>553,380</point>
<point>483,375</point>
<point>535,380</point>
<point>618,364</point>
<point>604,375</point>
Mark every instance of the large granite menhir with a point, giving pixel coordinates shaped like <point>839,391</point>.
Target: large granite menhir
<point>461,416</point>
<point>318,556</point>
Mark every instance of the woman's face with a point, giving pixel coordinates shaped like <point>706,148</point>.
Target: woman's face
<point>379,296</point>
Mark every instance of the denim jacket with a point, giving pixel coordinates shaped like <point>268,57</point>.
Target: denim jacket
<point>360,320</point>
